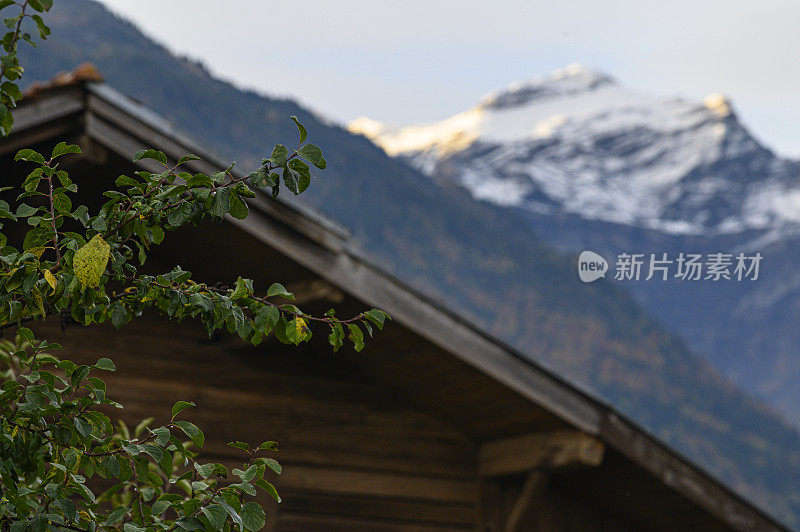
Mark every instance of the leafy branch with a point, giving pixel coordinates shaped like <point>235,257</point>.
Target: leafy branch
<point>84,264</point>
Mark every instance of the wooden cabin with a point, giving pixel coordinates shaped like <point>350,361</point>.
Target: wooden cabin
<point>435,426</point>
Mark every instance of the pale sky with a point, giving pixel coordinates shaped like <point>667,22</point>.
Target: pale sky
<point>416,61</point>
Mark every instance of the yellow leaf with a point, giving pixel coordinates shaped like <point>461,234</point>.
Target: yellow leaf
<point>90,261</point>
<point>77,463</point>
<point>37,298</point>
<point>300,329</point>
<point>51,280</point>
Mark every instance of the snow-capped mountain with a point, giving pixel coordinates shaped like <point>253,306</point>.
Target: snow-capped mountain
<point>578,142</point>
<point>593,165</point>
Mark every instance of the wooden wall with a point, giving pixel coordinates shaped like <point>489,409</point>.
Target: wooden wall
<point>354,459</point>
<point>359,454</point>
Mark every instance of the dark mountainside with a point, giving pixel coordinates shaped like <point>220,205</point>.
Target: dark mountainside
<point>482,260</point>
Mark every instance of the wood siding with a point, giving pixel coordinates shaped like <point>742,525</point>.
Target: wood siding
<point>354,459</point>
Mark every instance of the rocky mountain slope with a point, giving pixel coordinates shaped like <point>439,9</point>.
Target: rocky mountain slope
<point>578,143</point>
<point>593,165</point>
<point>483,260</point>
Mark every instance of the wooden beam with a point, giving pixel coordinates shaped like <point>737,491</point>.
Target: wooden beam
<point>92,151</point>
<point>315,290</point>
<point>377,484</point>
<point>539,450</point>
<point>491,510</point>
<point>528,500</point>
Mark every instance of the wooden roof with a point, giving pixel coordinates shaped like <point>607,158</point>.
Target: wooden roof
<point>98,116</point>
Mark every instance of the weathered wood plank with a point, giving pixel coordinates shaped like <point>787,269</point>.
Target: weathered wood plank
<point>347,481</point>
<point>539,450</point>
<point>41,111</point>
<point>323,522</point>
<point>402,510</point>
<point>527,500</point>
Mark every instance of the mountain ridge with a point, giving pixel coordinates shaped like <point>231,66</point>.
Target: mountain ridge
<point>580,143</point>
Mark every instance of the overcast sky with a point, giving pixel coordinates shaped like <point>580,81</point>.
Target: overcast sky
<point>411,61</point>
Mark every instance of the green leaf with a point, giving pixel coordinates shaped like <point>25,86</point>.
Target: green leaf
<point>151,154</point>
<point>41,5</point>
<point>195,434</point>
<point>269,446</point>
<point>117,515</point>
<point>313,154</point>
<point>242,289</point>
<point>239,445</point>
<point>161,506</point>
<point>199,180</point>
<point>154,451</point>
<point>162,436</point>
<point>336,337</point>
<point>205,470</point>
<point>123,181</point>
<point>37,524</point>
<point>278,156</point>
<point>106,364</point>
<point>303,174</point>
<point>273,464</point>
<point>11,88</point>
<point>180,406</point>
<point>291,179</point>
<point>253,516</point>
<point>179,214</point>
<point>26,333</point>
<point>222,202</point>
<point>68,508</point>
<point>111,464</point>
<point>24,210</point>
<point>29,155</point>
<point>277,289</point>
<point>6,120</point>
<point>357,336</point>
<point>157,234</point>
<point>143,424</point>
<point>62,203</point>
<point>44,31</point>
<point>63,148</point>
<point>377,317</point>
<point>269,488</point>
<point>239,209</point>
<point>188,157</point>
<point>225,504</point>
<point>300,128</point>
<point>37,237</point>
<point>216,515</point>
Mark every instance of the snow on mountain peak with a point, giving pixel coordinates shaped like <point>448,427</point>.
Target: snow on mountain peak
<point>572,79</point>
<point>577,142</point>
<point>535,109</point>
<point>718,104</point>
